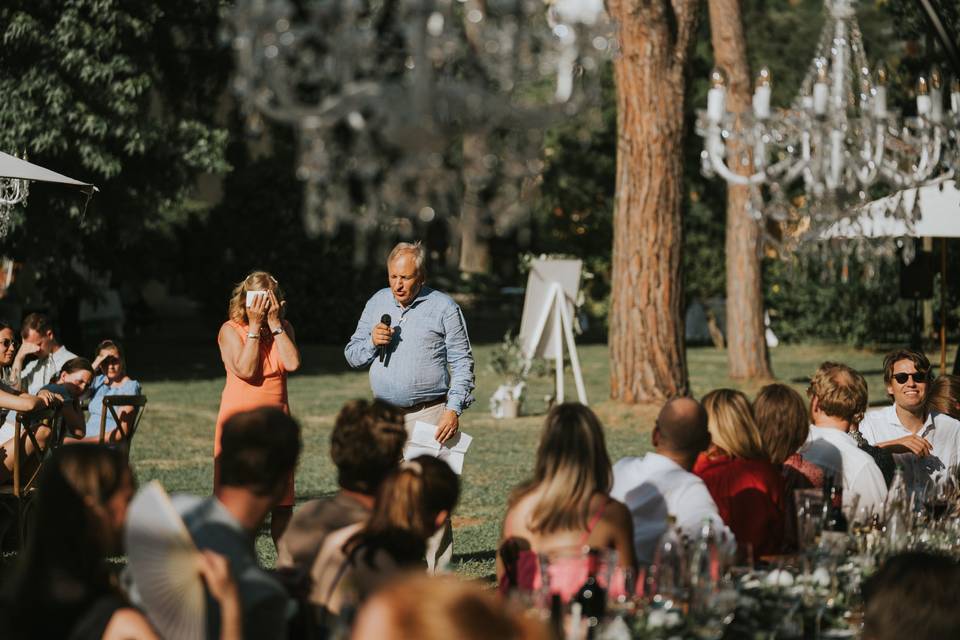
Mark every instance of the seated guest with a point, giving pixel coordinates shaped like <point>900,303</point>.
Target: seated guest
<point>40,356</point>
<point>925,443</point>
<point>366,445</point>
<point>111,380</point>
<point>259,452</point>
<point>70,384</point>
<point>63,586</point>
<point>745,484</point>
<point>442,608</point>
<point>913,595</point>
<point>65,390</point>
<point>838,400</point>
<point>660,483</point>
<point>8,353</point>
<point>412,503</point>
<point>566,504</point>
<point>784,424</point>
<point>22,403</point>
<point>944,395</point>
<point>8,383</point>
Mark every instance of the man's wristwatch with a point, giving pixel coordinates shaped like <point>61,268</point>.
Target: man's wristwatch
<point>277,331</point>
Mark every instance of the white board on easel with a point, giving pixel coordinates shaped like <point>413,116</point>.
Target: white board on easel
<point>547,321</point>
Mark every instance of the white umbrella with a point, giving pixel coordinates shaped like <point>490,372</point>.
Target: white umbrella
<point>938,215</point>
<point>934,212</point>
<point>14,167</point>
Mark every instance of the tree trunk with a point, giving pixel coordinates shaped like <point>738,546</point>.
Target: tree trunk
<point>647,351</point>
<point>474,230</point>
<point>747,354</point>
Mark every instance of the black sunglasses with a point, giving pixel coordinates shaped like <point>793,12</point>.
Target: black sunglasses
<point>918,376</point>
<point>6,342</point>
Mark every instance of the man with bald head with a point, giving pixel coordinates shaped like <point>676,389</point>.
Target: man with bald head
<point>660,483</point>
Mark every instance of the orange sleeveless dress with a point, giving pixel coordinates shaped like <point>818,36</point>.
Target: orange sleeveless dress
<point>267,389</point>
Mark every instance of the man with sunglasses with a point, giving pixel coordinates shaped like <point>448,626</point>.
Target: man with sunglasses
<point>925,443</point>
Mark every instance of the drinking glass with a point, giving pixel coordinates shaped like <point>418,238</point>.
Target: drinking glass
<point>809,505</point>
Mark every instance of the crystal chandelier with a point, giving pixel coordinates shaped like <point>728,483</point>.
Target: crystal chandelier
<point>381,92</point>
<point>13,192</point>
<point>838,139</point>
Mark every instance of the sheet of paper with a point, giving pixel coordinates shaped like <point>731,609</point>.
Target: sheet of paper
<point>422,442</point>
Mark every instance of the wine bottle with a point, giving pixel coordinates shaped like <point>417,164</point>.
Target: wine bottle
<point>593,600</point>
<point>835,537</point>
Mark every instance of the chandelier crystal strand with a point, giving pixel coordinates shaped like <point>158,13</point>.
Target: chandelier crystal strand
<point>837,140</point>
<point>13,192</point>
<point>381,92</point>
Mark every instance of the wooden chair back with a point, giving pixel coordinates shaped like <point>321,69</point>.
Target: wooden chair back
<point>27,424</point>
<point>124,433</point>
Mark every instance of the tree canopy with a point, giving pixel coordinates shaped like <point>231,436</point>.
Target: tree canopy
<point>120,94</point>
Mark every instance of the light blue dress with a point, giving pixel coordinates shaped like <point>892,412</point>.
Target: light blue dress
<point>101,388</point>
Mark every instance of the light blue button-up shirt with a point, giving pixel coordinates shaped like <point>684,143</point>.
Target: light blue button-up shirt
<point>429,355</point>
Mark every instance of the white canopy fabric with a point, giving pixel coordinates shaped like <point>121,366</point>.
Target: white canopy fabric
<point>13,167</point>
<point>938,214</point>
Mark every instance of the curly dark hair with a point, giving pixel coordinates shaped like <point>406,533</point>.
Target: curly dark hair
<point>366,444</point>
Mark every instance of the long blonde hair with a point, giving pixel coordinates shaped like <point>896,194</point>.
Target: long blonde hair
<point>731,424</point>
<point>255,281</point>
<point>572,466</point>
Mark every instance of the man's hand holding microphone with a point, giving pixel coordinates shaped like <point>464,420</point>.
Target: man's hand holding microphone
<point>381,335</point>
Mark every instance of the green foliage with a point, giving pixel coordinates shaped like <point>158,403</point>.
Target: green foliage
<point>258,225</point>
<point>507,361</point>
<point>120,94</point>
<point>574,214</point>
<point>810,298</point>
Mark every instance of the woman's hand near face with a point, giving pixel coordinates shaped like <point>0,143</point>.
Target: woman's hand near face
<point>99,360</point>
<point>257,312</point>
<point>274,319</point>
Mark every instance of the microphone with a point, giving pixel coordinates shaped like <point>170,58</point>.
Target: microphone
<point>384,319</point>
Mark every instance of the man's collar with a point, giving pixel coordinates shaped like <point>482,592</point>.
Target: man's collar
<point>424,292</point>
<point>894,419</point>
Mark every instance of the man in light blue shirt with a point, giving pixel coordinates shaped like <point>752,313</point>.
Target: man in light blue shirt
<point>421,361</point>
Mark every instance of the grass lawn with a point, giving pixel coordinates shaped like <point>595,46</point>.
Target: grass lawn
<point>175,441</point>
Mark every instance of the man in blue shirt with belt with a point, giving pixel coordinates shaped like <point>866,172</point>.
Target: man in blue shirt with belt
<point>421,360</point>
<point>427,365</point>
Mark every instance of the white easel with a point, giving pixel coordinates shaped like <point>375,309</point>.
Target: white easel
<point>556,306</point>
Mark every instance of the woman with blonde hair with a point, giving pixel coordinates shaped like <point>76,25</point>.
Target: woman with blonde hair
<point>567,503</point>
<point>259,349</point>
<point>738,472</point>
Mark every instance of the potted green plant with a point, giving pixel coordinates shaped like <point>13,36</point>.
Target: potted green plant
<point>509,363</point>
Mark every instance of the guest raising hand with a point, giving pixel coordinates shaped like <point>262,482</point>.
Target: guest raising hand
<point>111,379</point>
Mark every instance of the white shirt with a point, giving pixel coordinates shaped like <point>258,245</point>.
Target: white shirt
<point>37,373</point>
<point>939,429</point>
<point>837,452</point>
<point>655,486</point>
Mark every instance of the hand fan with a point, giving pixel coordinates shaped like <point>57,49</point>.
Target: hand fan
<point>163,564</point>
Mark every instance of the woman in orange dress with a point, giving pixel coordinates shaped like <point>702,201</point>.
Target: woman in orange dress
<point>258,349</point>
